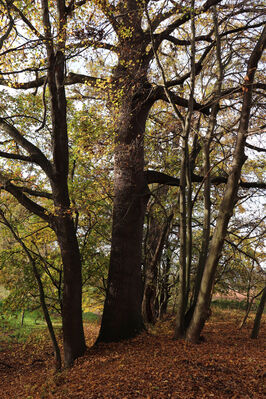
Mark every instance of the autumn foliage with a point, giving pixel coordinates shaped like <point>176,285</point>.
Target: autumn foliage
<point>227,364</point>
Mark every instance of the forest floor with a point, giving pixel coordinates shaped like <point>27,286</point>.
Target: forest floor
<point>228,364</point>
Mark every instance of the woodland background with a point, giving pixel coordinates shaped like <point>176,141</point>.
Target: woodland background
<point>132,166</point>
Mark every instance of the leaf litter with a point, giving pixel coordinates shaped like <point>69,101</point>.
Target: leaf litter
<point>228,364</point>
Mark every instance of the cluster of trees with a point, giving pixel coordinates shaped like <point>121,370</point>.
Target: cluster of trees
<point>131,128</point>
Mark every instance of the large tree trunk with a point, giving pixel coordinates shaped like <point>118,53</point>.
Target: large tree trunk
<point>122,310</point>
<point>227,205</point>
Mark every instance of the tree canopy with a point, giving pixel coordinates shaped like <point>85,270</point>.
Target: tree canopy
<point>132,165</point>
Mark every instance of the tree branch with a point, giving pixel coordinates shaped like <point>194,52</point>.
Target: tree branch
<point>253,147</point>
<point>35,193</point>
<point>9,29</point>
<point>71,79</point>
<point>159,94</point>
<point>37,156</point>
<point>183,19</point>
<point>26,21</point>
<point>32,206</point>
<point>162,178</point>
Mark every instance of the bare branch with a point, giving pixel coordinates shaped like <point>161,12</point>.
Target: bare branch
<point>159,94</point>
<point>162,178</point>
<point>32,206</point>
<point>37,156</point>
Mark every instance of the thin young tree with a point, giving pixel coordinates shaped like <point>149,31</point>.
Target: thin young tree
<point>226,208</point>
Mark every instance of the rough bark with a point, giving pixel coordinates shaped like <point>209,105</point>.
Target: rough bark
<point>122,310</point>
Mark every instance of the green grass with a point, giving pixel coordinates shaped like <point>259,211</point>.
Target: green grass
<point>229,304</point>
<point>12,329</point>
<point>90,317</point>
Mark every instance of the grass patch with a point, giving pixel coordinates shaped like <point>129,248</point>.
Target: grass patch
<point>18,326</point>
<point>90,317</point>
<point>229,304</point>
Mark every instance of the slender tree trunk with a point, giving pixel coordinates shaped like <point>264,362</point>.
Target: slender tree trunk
<point>165,288</point>
<point>248,308</point>
<point>63,225</point>
<point>227,205</point>
<point>151,271</point>
<point>22,317</point>
<point>181,298</point>
<point>149,310</point>
<point>48,320</point>
<point>73,334</point>
<point>250,300</point>
<point>185,202</point>
<point>256,326</point>
<point>206,167</point>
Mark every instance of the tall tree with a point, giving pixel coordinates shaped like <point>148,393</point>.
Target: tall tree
<point>52,44</point>
<point>122,311</point>
<point>226,208</point>
<point>132,34</point>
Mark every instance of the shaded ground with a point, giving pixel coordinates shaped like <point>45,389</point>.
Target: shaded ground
<point>227,365</point>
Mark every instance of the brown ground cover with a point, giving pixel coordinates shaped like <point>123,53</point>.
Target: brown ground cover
<point>228,364</point>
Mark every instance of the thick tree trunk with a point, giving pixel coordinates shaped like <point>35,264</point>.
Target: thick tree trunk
<point>122,310</point>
